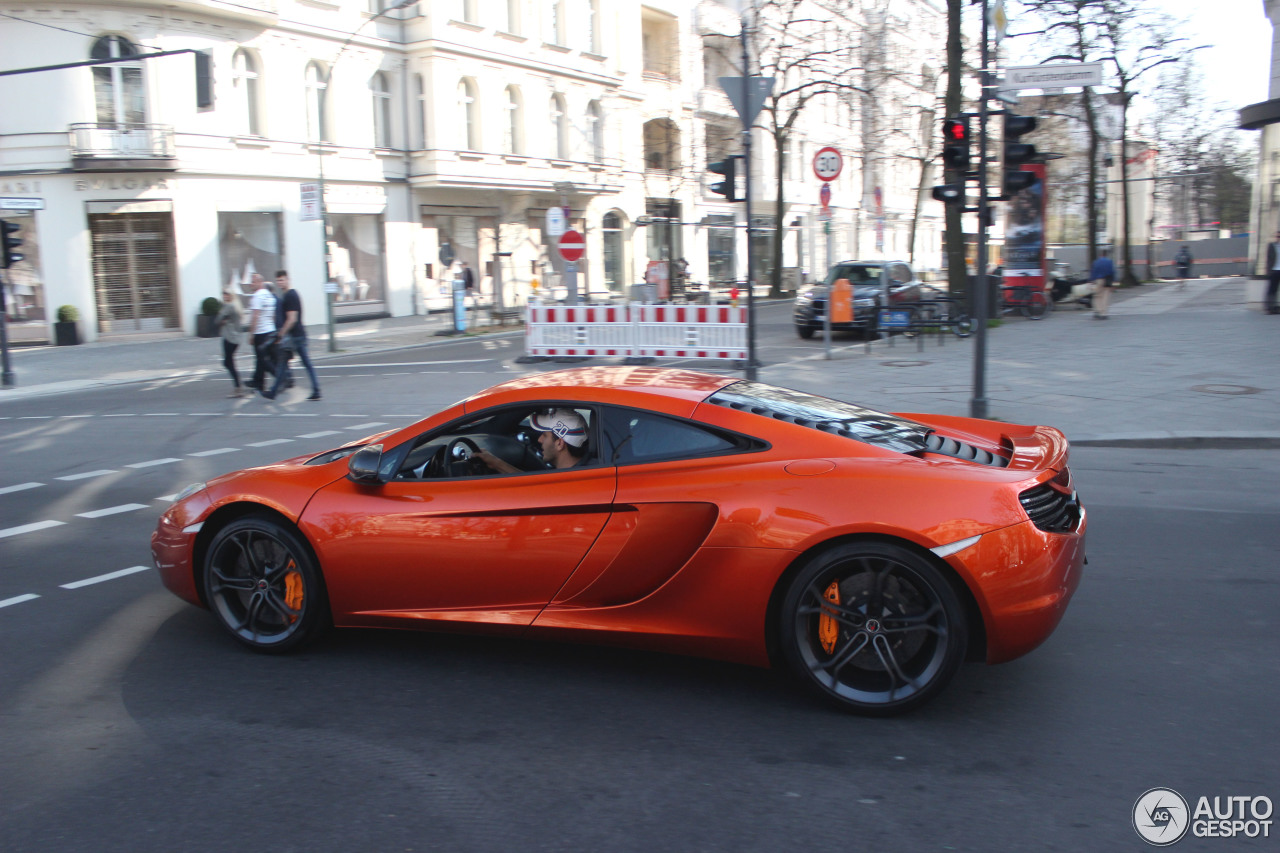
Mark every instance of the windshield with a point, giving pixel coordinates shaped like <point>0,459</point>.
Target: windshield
<point>826,415</point>
<point>856,274</point>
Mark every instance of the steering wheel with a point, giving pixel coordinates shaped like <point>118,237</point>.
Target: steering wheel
<point>459,458</point>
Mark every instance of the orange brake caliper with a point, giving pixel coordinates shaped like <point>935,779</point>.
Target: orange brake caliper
<point>293,592</point>
<point>828,628</point>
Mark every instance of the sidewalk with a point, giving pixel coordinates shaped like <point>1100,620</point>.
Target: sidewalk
<point>1172,366</point>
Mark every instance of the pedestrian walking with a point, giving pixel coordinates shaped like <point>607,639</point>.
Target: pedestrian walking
<point>468,279</point>
<point>230,322</point>
<point>262,325</point>
<point>1183,262</point>
<point>291,338</point>
<point>1273,275</point>
<point>1103,273</point>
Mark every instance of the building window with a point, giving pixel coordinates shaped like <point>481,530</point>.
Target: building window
<point>560,124</point>
<point>420,120</point>
<point>513,135</point>
<point>721,249</point>
<point>357,251</point>
<point>593,26</point>
<point>614,277</point>
<point>381,110</point>
<point>661,146</point>
<point>468,115</point>
<point>556,22</point>
<point>595,130</point>
<point>665,240</point>
<point>249,243</point>
<point>244,83</point>
<point>659,45</point>
<point>317,125</point>
<point>118,91</point>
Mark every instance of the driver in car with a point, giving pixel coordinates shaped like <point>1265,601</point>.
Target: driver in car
<point>562,440</point>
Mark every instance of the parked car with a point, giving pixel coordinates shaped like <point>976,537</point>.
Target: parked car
<point>868,553</point>
<point>868,291</point>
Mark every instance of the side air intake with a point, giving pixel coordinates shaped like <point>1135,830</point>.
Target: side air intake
<point>947,446</point>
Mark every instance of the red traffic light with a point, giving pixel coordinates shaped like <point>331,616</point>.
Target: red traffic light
<point>955,130</point>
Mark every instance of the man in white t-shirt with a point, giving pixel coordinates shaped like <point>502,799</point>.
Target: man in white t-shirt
<point>262,324</point>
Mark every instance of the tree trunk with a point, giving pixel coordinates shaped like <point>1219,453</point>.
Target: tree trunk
<point>1091,202</point>
<point>1128,277</point>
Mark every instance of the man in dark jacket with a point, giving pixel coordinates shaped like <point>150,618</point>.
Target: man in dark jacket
<point>1103,273</point>
<point>1273,276</point>
<point>1183,262</point>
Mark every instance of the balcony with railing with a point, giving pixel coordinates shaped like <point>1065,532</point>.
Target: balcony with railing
<point>122,148</point>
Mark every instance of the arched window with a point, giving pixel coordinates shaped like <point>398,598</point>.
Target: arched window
<point>595,130</point>
<point>317,120</point>
<point>513,135</point>
<point>420,120</point>
<point>560,126</point>
<point>381,110</point>
<point>468,116</point>
<point>118,90</point>
<point>244,84</point>
<point>611,228</point>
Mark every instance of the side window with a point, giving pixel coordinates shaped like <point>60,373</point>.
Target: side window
<point>900,273</point>
<point>637,436</point>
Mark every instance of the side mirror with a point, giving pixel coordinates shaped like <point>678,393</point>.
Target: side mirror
<point>364,464</point>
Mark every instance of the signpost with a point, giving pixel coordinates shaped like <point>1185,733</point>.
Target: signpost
<point>571,247</point>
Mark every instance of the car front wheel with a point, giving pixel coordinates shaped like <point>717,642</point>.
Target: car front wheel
<point>873,627</point>
<point>805,332</point>
<point>263,585</point>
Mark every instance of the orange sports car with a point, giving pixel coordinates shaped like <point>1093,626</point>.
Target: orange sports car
<point>868,553</point>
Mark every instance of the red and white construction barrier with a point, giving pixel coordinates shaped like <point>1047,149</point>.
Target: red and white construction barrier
<point>655,331</point>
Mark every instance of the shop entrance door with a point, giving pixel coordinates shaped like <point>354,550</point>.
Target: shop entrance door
<point>133,271</point>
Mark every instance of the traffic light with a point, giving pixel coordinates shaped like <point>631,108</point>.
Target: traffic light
<point>1016,153</point>
<point>728,168</point>
<point>7,231</point>
<point>949,193</point>
<point>956,144</point>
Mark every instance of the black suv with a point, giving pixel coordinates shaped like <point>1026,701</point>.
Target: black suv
<point>811,303</point>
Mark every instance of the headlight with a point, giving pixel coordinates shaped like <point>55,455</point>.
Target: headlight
<point>805,295</point>
<point>188,492</point>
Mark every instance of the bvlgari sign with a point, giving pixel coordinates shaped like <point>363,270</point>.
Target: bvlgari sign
<point>120,182</point>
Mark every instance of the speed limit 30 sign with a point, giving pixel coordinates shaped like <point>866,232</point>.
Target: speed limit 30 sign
<point>827,164</point>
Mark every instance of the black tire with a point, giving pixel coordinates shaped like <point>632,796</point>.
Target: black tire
<point>805,332</point>
<point>890,639</point>
<point>963,326</point>
<point>263,585</point>
<point>1037,305</point>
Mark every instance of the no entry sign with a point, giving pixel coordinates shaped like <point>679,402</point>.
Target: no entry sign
<point>571,245</point>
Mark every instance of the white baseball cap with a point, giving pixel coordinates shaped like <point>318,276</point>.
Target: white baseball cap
<point>564,423</point>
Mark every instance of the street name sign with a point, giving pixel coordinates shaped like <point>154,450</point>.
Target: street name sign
<point>557,222</point>
<point>1072,74</point>
<point>21,203</point>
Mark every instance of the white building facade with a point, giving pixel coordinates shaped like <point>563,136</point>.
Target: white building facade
<point>438,133</point>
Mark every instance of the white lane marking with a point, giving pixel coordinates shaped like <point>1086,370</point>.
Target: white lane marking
<point>168,498</point>
<point>299,415</point>
<point>406,373</point>
<point>320,434</point>
<point>65,417</point>
<point>161,414</point>
<point>110,576</point>
<point>401,364</point>
<point>21,487</point>
<point>36,417</point>
<point>111,510</point>
<point>86,475</point>
<point>215,452</point>
<point>122,415</point>
<point>29,528</point>
<point>270,442</point>
<point>152,462</point>
<point>369,425</point>
<point>18,599</point>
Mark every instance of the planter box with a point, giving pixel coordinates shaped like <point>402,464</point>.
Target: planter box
<point>205,327</point>
<point>66,334</point>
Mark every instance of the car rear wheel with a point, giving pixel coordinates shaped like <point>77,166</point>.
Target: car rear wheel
<point>873,627</point>
<point>263,585</point>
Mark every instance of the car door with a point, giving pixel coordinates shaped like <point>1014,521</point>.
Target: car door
<point>477,549</point>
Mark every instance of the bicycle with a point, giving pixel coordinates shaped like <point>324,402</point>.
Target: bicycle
<point>1029,299</point>
<point>943,311</point>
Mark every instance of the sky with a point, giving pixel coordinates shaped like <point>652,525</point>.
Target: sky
<point>1237,66</point>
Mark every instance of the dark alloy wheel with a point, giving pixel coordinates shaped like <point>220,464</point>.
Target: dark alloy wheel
<point>873,627</point>
<point>262,584</point>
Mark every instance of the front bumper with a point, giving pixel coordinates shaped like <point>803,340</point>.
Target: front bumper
<point>173,546</point>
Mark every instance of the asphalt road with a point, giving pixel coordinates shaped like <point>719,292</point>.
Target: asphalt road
<point>128,721</point>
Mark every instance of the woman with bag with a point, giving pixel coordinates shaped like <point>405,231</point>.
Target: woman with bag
<point>230,322</point>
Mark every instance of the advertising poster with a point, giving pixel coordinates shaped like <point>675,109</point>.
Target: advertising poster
<point>1024,243</point>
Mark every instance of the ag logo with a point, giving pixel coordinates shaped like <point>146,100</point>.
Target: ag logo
<point>1161,817</point>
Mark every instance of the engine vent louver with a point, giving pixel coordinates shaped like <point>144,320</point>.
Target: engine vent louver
<point>947,446</point>
<point>1051,510</point>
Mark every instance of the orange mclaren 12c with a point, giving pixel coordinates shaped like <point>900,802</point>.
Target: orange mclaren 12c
<point>867,553</point>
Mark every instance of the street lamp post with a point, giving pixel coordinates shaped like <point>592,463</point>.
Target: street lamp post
<point>329,283</point>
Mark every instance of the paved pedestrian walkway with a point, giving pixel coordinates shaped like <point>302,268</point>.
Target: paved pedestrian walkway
<point>1174,365</point>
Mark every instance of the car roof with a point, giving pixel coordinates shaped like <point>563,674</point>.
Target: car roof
<point>620,384</point>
